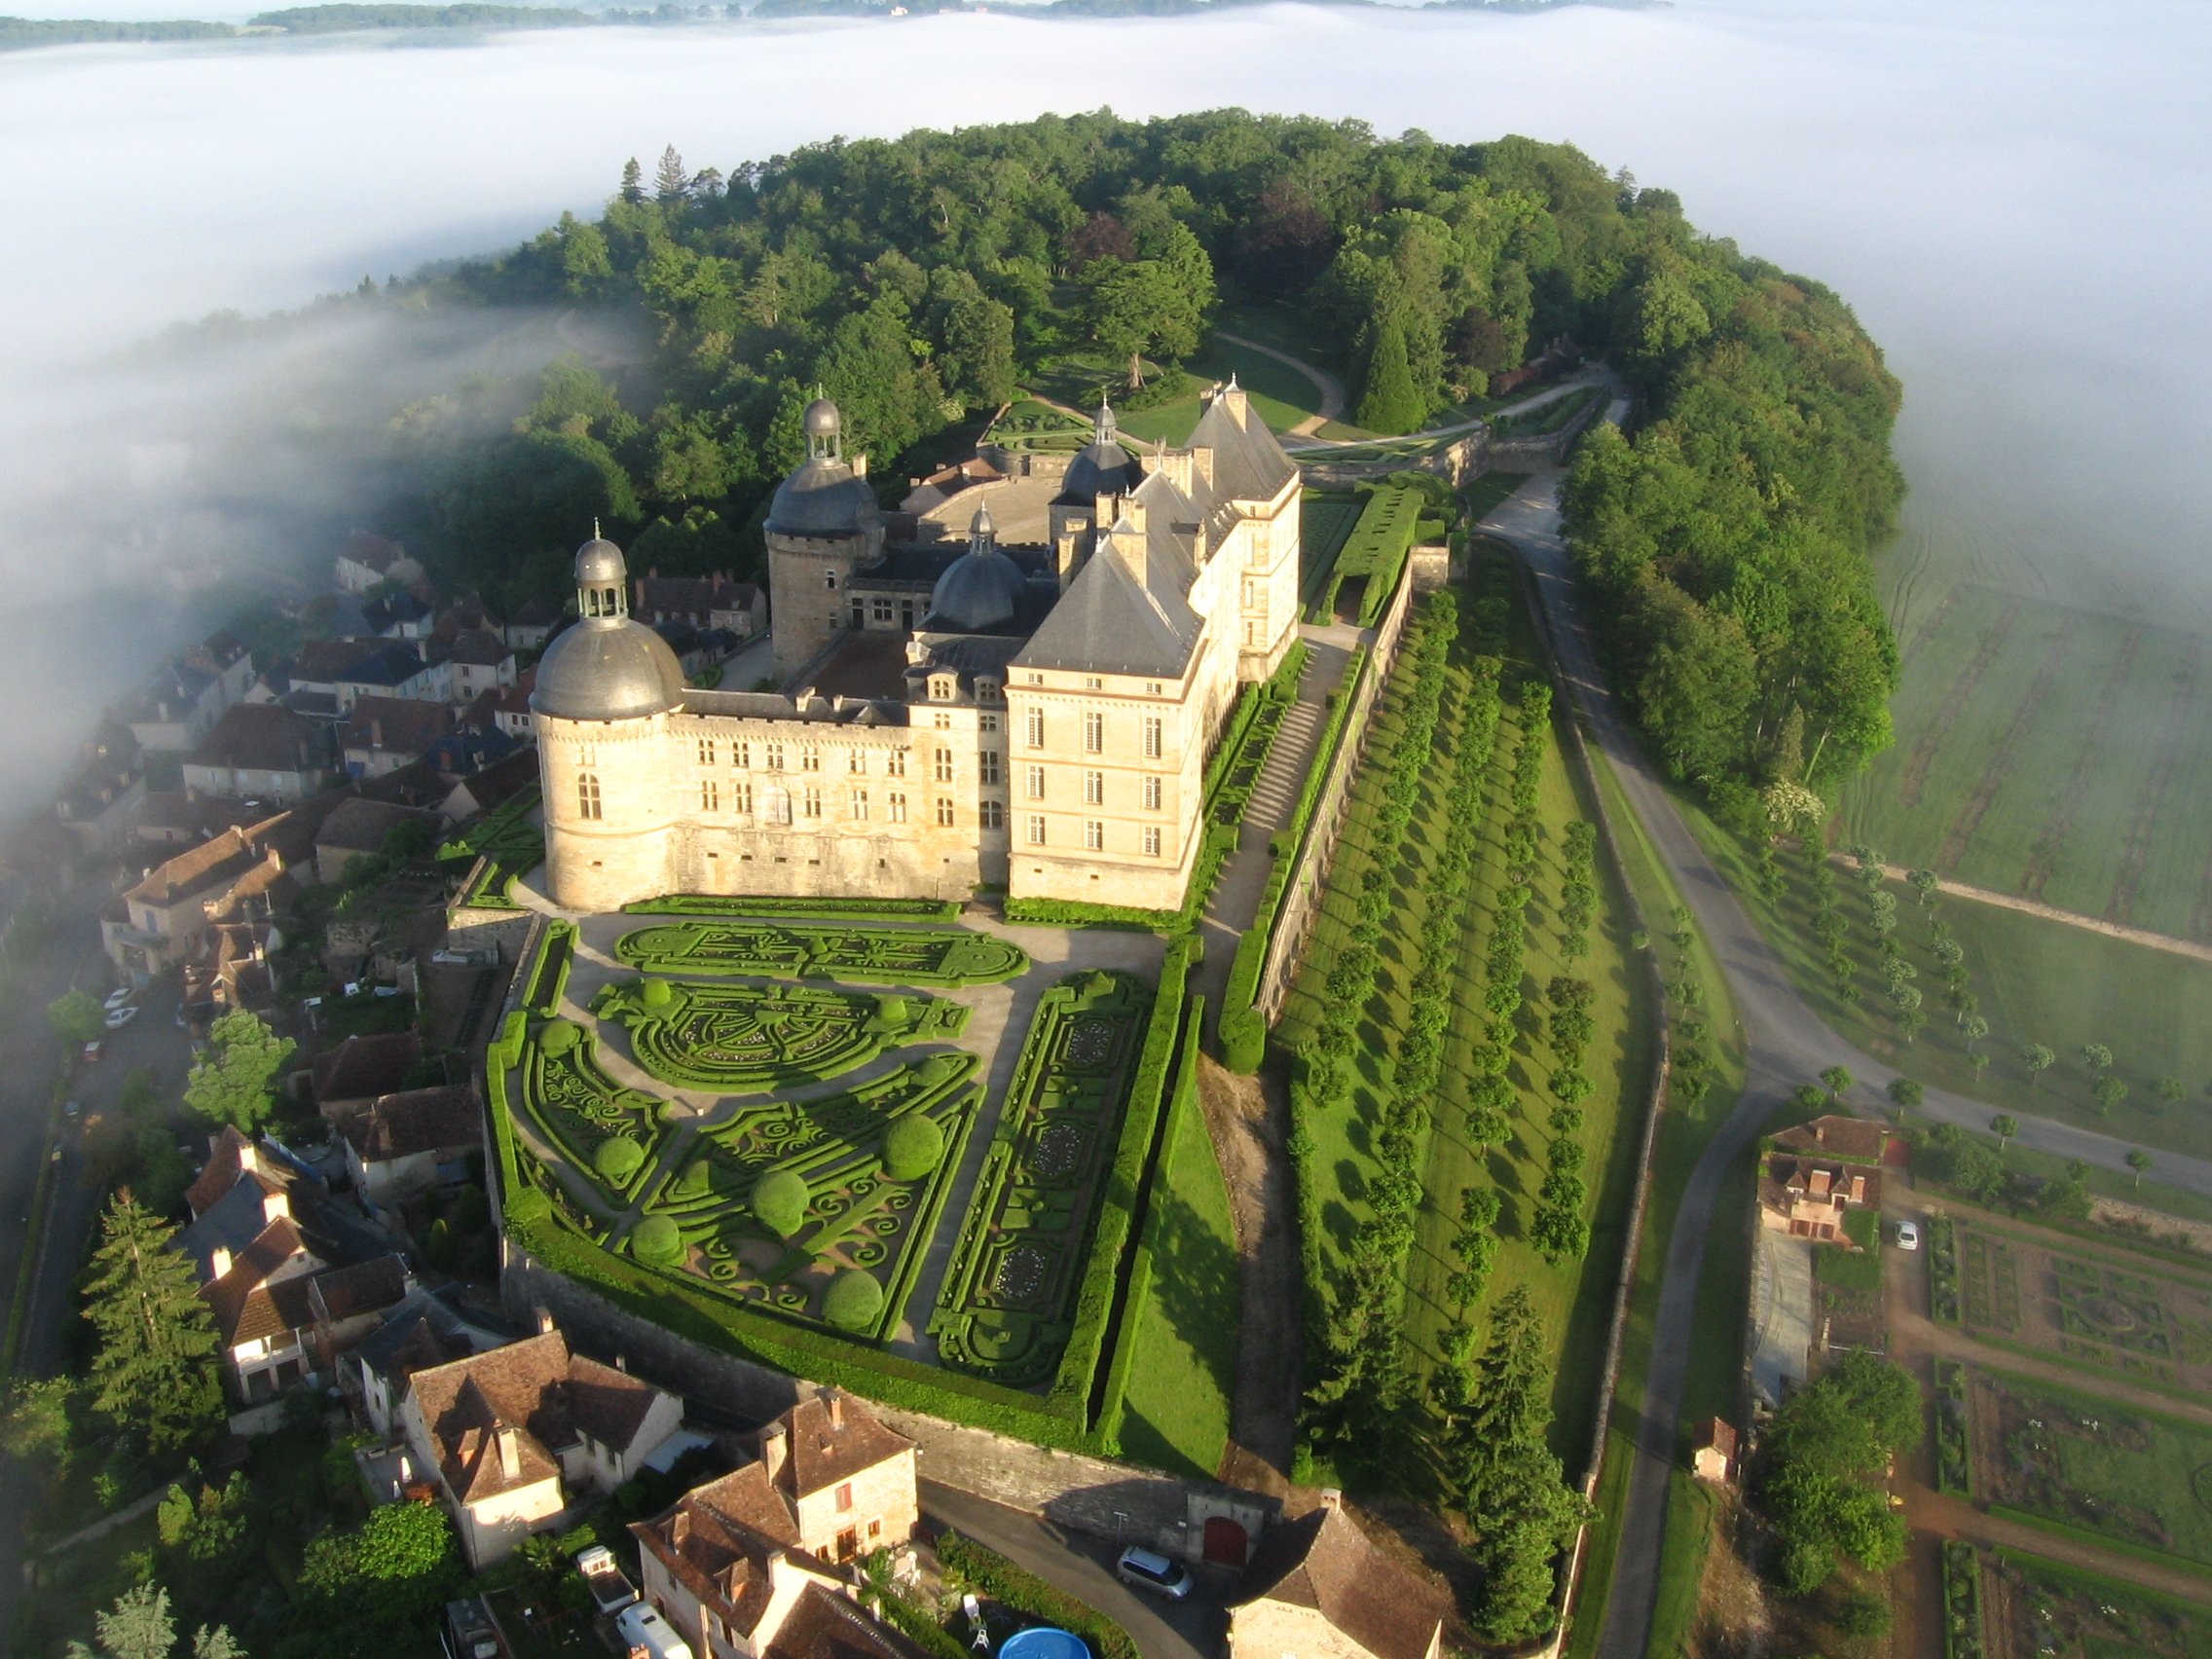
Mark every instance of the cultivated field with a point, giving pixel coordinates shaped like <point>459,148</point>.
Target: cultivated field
<point>2053,752</point>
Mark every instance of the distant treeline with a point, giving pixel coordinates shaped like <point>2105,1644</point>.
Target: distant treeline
<point>343,18</point>
<point>16,33</point>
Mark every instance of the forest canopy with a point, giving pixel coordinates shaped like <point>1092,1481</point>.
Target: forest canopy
<point>922,282</point>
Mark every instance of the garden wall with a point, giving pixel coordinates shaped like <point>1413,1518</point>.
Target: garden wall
<point>1302,898</point>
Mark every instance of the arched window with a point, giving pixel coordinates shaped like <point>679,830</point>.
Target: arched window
<point>587,794</point>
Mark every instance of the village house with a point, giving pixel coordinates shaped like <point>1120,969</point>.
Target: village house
<point>1844,1139</point>
<point>358,829</point>
<point>230,970</point>
<point>416,1334</point>
<point>348,1079</point>
<point>261,751</point>
<point>106,789</point>
<point>393,669</point>
<point>511,706</point>
<point>532,623</point>
<point>1808,1197</point>
<point>383,734</point>
<point>1318,1589</point>
<point>506,1435</point>
<point>478,659</point>
<point>492,788</point>
<point>1713,1453</point>
<point>178,707</point>
<point>709,603</point>
<point>410,1142</point>
<point>166,917</point>
<point>370,560</point>
<point>399,614</point>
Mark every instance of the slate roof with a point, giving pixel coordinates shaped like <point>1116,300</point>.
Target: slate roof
<point>360,1068</point>
<point>1323,1561</point>
<point>325,662</point>
<point>395,725</point>
<point>1110,621</point>
<point>346,1293</point>
<point>418,1334</point>
<point>260,737</point>
<point>479,647</point>
<point>393,663</point>
<point>230,1155</point>
<point>1248,465</point>
<point>372,551</point>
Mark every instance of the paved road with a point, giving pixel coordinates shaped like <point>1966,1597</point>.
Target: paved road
<point>1785,1042</point>
<point>1083,1567</point>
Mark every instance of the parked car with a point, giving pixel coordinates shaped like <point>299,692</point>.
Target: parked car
<point>1908,1236</point>
<point>73,1110</point>
<point>1149,1571</point>
<point>91,1051</point>
<point>117,998</point>
<point>119,1017</point>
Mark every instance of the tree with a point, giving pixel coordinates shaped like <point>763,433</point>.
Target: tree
<point>397,1568</point>
<point>632,181</point>
<point>1975,1027</point>
<point>2097,1057</point>
<point>1923,884</point>
<point>137,1626</point>
<point>2138,1161</point>
<point>2167,1089</point>
<point>2108,1091</point>
<point>77,1018</point>
<point>1387,401</point>
<point>1906,1092</point>
<point>235,1082</point>
<point>155,1373</point>
<point>671,183</point>
<point>2004,1126</point>
<point>1838,1081</point>
<point>2038,1059</point>
<point>1809,1097</point>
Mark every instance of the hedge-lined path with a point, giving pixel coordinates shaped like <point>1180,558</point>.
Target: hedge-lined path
<point>1945,1517</point>
<point>1247,1120</point>
<point>1234,907</point>
<point>998,1021</point>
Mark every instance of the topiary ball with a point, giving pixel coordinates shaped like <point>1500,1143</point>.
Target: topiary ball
<point>780,1200</point>
<point>695,1176</point>
<point>893,1010</point>
<point>853,1301</point>
<point>618,1158</point>
<point>657,1241</point>
<point>558,1036</point>
<point>655,993</point>
<point>914,1147</point>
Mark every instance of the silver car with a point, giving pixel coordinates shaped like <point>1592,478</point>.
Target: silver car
<point>1149,1571</point>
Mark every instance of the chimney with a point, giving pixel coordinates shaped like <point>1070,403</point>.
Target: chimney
<point>837,1401</point>
<point>218,1262</point>
<point>375,734</point>
<point>1201,464</point>
<point>275,1207</point>
<point>544,1320</point>
<point>622,1364</point>
<point>1332,1497</point>
<point>1129,541</point>
<point>774,1448</point>
<point>510,1451</point>
<point>859,466</point>
<point>1859,1189</point>
<point>1820,1134</point>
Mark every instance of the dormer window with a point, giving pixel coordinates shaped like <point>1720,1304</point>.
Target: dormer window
<point>987,692</point>
<point>941,687</point>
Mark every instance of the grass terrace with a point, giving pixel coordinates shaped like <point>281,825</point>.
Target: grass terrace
<point>508,843</point>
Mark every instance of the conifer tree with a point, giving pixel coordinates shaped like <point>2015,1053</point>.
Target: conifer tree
<point>632,181</point>
<point>155,1373</point>
<point>1389,403</point>
<point>670,181</point>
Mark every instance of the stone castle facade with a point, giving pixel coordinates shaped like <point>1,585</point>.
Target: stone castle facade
<point>1035,715</point>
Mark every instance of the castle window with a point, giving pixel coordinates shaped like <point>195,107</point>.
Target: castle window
<point>860,617</point>
<point>883,612</point>
<point>710,795</point>
<point>1152,732</point>
<point>1251,592</point>
<point>1094,789</point>
<point>810,758</point>
<point>1036,724</point>
<point>1036,783</point>
<point>895,763</point>
<point>898,807</point>
<point>776,804</point>
<point>775,757</point>
<point>1252,633</point>
<point>1035,829</point>
<point>943,722</point>
<point>706,752</point>
<point>944,812</point>
<point>941,763</point>
<point>856,762</point>
<point>1092,683</point>
<point>1094,733</point>
<point>1152,688</point>
<point>987,722</point>
<point>859,806</point>
<point>742,796</point>
<point>830,580</point>
<point>1152,794</point>
<point>994,815</point>
<point>988,765</point>
<point>741,755</point>
<point>986,690</point>
<point>1151,842</point>
<point>941,687</point>
<point>587,794</point>
<point>813,801</point>
<point>587,753</point>
<point>1094,835</point>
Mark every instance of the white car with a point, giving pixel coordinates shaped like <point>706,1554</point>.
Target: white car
<point>119,1017</point>
<point>117,999</point>
<point>1908,1236</point>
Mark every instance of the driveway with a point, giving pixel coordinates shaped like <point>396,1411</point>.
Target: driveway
<point>1083,1567</point>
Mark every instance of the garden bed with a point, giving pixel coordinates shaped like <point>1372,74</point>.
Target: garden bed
<point>498,848</point>
<point>894,956</point>
<point>2053,1609</point>
<point>728,1037</point>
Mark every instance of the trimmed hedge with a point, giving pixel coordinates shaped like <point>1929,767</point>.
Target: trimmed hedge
<point>912,1146</point>
<point>841,910</point>
<point>1113,1405</point>
<point>997,1577</point>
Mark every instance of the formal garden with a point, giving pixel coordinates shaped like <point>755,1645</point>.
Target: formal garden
<point>918,956</point>
<point>2052,1294</point>
<point>785,1208</point>
<point>2088,1467</point>
<point>2033,1607</point>
<point>495,849</point>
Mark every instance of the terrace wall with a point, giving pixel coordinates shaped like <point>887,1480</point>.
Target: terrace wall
<point>1466,458</point>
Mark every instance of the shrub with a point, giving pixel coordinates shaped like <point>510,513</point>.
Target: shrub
<point>657,1243</point>
<point>618,1158</point>
<point>558,1036</point>
<point>695,1177</point>
<point>780,1199</point>
<point>914,1148</point>
<point>853,1301</point>
<point>656,994</point>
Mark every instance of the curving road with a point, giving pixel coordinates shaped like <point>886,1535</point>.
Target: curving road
<point>1786,1043</point>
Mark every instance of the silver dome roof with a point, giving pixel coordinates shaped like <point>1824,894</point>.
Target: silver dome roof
<point>599,562</point>
<point>820,420</point>
<point>981,589</point>
<point>823,498</point>
<point>607,668</point>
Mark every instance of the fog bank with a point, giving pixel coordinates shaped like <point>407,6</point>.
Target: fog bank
<point>2014,194</point>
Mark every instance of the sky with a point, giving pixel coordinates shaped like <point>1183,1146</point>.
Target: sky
<point>2013,194</point>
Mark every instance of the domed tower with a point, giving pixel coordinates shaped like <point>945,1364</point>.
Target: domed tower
<point>603,692</point>
<point>981,589</point>
<point>1090,495</point>
<point>823,525</point>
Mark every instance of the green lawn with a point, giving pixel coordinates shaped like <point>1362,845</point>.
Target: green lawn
<point>1689,1519</point>
<point>2038,981</point>
<point>1573,1297</point>
<point>2142,1480</point>
<point>1186,1335</point>
<point>1326,520</point>
<point>1483,495</point>
<point>2055,751</point>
